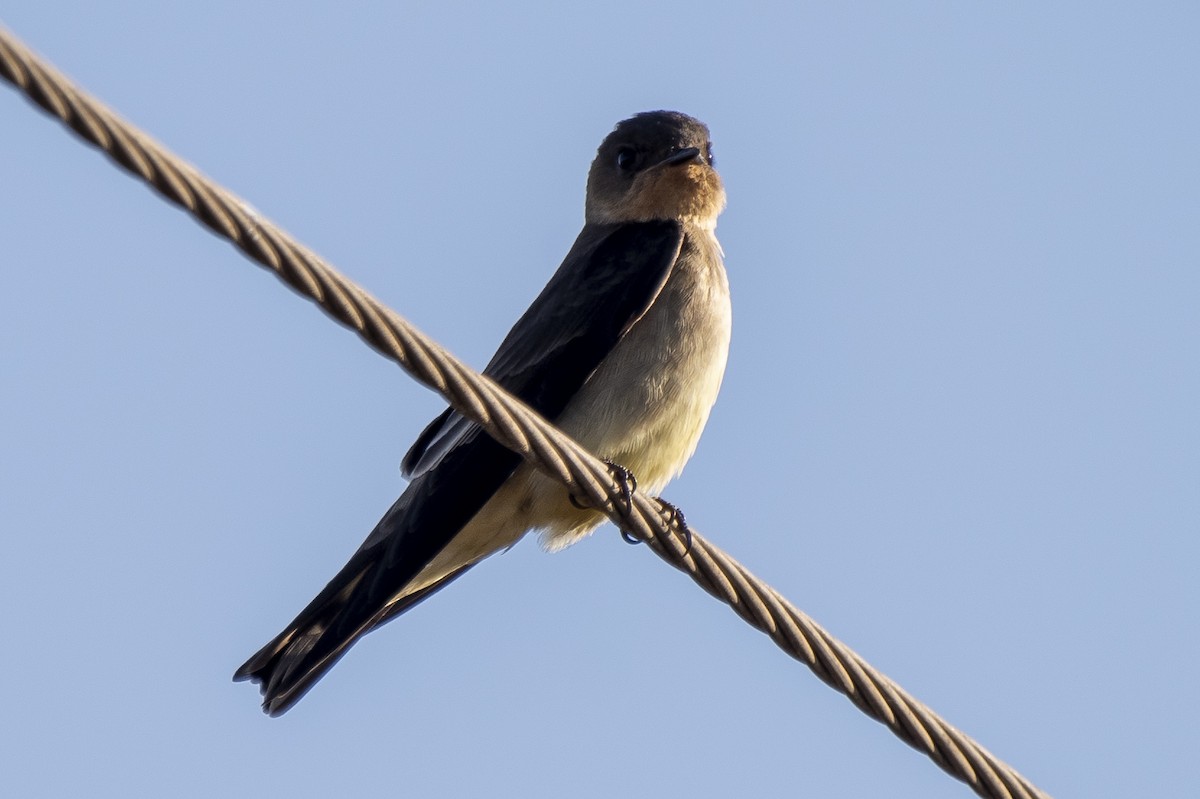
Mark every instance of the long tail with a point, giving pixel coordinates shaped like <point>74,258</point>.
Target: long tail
<point>372,588</point>
<point>324,631</point>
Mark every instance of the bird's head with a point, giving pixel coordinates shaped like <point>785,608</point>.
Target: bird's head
<point>656,165</point>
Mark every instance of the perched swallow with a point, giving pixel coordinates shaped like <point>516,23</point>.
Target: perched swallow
<point>624,350</point>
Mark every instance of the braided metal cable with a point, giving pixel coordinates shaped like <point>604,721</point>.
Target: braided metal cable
<point>515,425</point>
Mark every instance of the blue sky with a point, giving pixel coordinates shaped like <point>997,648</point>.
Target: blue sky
<point>959,425</point>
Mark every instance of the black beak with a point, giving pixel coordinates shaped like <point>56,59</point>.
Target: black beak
<point>682,157</point>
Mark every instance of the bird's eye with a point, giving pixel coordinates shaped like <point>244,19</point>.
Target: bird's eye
<point>708,154</point>
<point>626,158</point>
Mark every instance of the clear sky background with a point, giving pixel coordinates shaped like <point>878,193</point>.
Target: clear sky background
<point>959,425</point>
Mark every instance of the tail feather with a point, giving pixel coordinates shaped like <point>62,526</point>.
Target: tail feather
<point>373,587</point>
<point>296,658</point>
<point>288,666</point>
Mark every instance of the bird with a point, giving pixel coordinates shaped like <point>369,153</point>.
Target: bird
<point>624,350</point>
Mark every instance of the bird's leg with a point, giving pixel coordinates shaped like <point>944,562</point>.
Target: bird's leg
<point>623,477</point>
<point>675,516</point>
<point>628,484</point>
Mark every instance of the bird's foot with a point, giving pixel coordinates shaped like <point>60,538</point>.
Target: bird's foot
<point>675,516</point>
<point>624,478</point>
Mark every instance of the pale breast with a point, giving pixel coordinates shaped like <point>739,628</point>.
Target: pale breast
<point>647,404</point>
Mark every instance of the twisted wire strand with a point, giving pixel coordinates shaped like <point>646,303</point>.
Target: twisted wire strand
<point>515,425</point>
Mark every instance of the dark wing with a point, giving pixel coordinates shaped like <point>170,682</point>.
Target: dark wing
<point>607,282</point>
<point>611,276</point>
<point>434,431</point>
<point>417,526</point>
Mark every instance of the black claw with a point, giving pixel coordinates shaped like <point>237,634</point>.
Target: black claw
<point>628,482</point>
<point>675,515</point>
<point>625,479</point>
